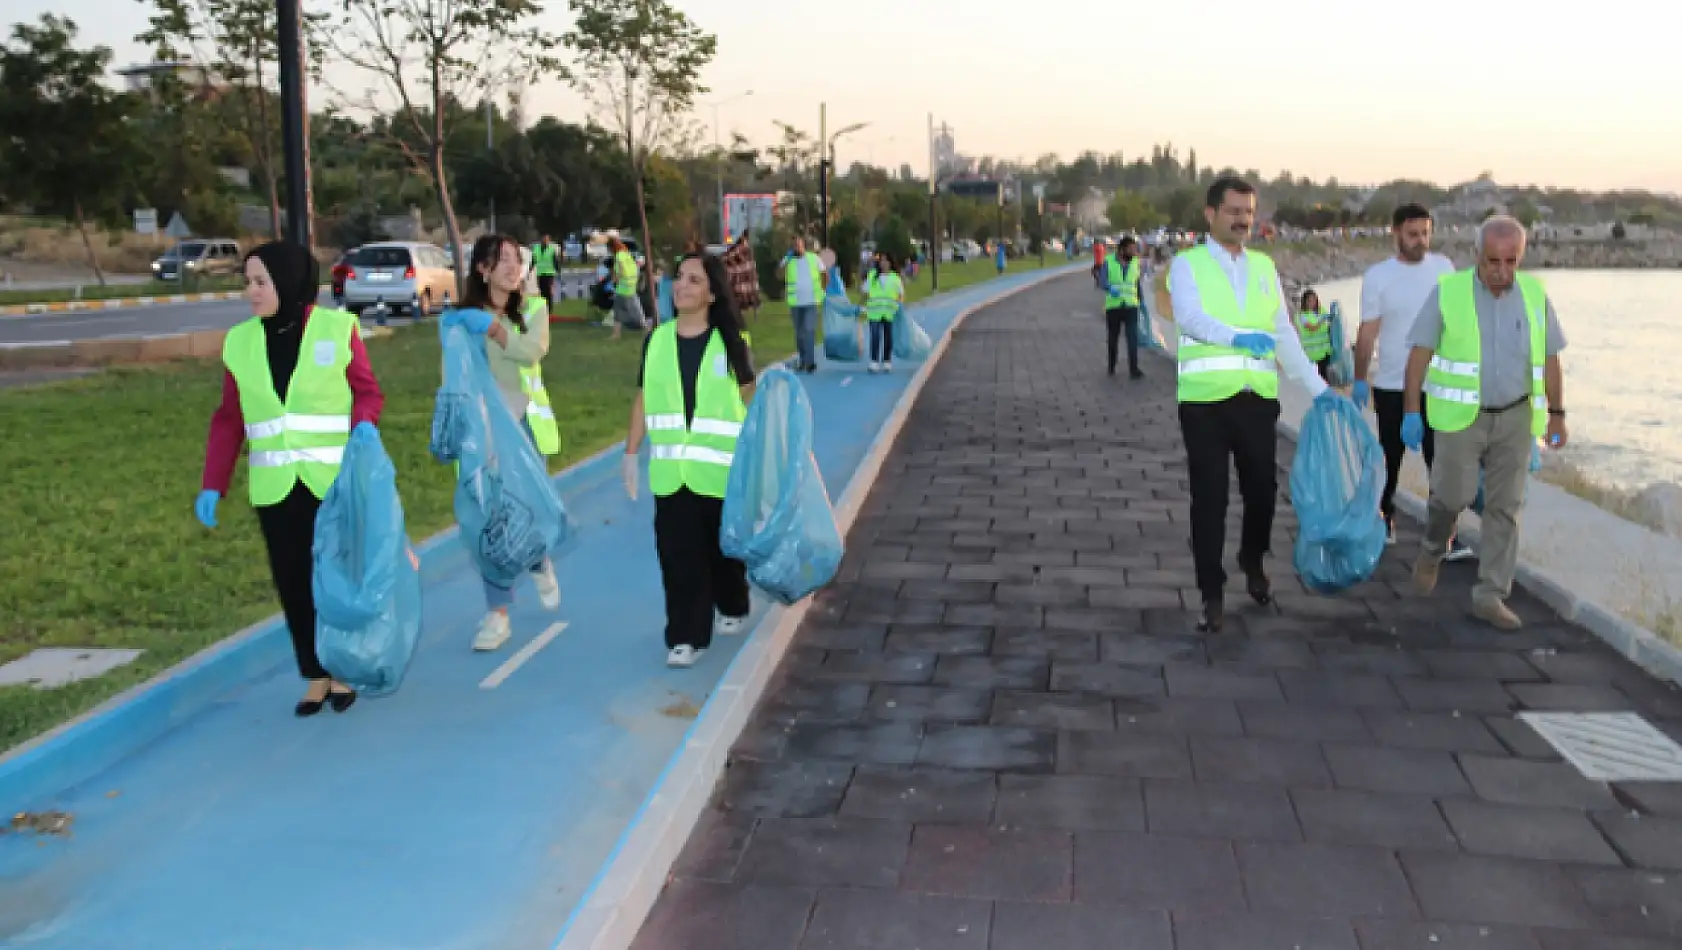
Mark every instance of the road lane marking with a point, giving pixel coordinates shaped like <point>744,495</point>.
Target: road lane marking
<point>525,653</point>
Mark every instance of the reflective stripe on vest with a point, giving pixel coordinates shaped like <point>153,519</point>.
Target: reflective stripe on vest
<point>791,278</point>
<point>696,455</point>
<point>1316,337</point>
<point>1454,379</point>
<point>1209,372</point>
<point>1124,284</point>
<point>304,437</point>
<point>540,417</point>
<point>882,296</point>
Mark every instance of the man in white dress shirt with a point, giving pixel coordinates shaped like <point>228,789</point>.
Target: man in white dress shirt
<point>1234,335</point>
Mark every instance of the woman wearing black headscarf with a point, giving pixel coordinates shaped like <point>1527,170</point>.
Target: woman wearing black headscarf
<point>297,381</point>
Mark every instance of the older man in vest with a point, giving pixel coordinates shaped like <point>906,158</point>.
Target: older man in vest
<point>803,283</point>
<point>1485,365</point>
<point>1235,334</point>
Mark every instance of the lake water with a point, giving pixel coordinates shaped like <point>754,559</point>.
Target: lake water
<point>1623,369</point>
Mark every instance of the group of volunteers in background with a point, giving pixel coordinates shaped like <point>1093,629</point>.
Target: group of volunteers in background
<point>1467,371</point>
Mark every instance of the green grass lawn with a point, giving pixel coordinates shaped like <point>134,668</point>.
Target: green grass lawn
<point>98,544</point>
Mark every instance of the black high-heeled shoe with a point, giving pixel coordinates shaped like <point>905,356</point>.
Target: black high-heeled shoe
<point>341,701</point>
<point>309,707</point>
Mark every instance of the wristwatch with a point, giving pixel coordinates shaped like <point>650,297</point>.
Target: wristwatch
<point>1560,413</point>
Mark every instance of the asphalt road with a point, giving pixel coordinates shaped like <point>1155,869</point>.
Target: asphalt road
<point>127,322</point>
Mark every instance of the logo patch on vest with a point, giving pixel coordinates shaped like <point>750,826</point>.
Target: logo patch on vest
<point>325,352</point>
<point>719,366</point>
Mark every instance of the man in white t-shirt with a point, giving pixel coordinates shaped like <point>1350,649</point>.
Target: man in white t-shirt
<point>1392,293</point>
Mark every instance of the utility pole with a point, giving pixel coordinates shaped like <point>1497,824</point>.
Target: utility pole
<point>718,167</point>
<point>934,217</point>
<point>490,149</point>
<point>823,169</point>
<point>294,122</point>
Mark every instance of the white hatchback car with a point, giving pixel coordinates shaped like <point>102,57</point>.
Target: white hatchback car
<point>404,276</point>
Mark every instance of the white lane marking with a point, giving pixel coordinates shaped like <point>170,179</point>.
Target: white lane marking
<point>525,653</point>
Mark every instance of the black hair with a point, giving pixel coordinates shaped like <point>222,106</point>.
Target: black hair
<point>1308,292</point>
<point>888,259</point>
<point>1219,188</point>
<point>1128,242</point>
<point>487,252</point>
<point>1412,211</point>
<point>722,313</point>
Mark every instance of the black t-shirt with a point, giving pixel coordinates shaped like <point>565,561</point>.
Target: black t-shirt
<point>691,350</point>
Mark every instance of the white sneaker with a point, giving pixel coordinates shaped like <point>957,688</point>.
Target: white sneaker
<point>1389,535</point>
<point>682,657</point>
<point>875,366</point>
<point>493,632</point>
<point>1459,551</point>
<point>548,589</point>
<point>888,367</point>
<point>729,626</point>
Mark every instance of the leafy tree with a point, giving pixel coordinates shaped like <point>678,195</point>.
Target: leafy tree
<point>67,145</point>
<point>1130,211</point>
<point>639,64</point>
<point>895,238</point>
<point>846,239</point>
<point>430,56</point>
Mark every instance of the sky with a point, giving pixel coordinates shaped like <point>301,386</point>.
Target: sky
<point>1441,90</point>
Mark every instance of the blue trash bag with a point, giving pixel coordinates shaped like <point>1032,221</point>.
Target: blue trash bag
<point>911,342</point>
<point>367,578</point>
<point>663,305</point>
<point>841,329</point>
<point>1341,371</point>
<point>777,519</point>
<point>509,514</point>
<point>1336,479</point>
<point>1148,338</point>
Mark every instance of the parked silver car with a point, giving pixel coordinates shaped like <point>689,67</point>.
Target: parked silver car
<point>403,276</point>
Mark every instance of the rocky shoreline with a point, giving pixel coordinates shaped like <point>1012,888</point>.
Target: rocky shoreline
<point>1319,262</point>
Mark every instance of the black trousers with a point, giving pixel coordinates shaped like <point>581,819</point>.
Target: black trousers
<point>1324,365</point>
<point>1387,404</point>
<point>697,576</point>
<point>1237,431</point>
<point>546,288</point>
<point>1123,320</point>
<point>289,532</point>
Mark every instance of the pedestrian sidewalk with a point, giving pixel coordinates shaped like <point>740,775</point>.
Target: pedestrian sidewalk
<point>998,730</point>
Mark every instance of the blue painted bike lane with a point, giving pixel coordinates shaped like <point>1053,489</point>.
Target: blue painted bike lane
<point>470,810</point>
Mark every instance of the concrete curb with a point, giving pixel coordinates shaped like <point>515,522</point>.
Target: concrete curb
<point>614,907</point>
<point>114,303</point>
<point>1636,643</point>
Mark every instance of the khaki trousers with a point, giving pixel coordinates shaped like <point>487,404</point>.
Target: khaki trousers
<point>1498,442</point>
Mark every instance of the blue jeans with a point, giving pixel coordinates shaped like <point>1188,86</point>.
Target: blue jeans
<point>501,598</point>
<point>806,333</point>
<point>881,341</point>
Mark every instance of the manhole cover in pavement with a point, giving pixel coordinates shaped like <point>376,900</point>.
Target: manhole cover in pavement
<point>1610,747</point>
<point>52,667</point>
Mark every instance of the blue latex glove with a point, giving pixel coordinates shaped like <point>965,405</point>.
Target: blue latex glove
<point>366,428</point>
<point>1413,431</point>
<point>611,287</point>
<point>1361,393</point>
<point>204,507</point>
<point>1260,345</point>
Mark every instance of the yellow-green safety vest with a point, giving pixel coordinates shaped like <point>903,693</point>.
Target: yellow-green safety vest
<point>1316,334</point>
<point>696,455</point>
<point>543,260</point>
<point>1453,381</point>
<point>1211,373</point>
<point>882,293</point>
<point>540,416</point>
<point>304,437</point>
<point>1124,284</point>
<point>791,278</point>
<point>624,274</point>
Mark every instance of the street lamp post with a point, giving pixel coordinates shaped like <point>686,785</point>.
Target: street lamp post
<point>294,121</point>
<point>826,161</point>
<point>934,219</point>
<point>718,163</point>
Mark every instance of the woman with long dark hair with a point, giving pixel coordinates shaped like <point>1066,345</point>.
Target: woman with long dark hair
<point>884,294</point>
<point>297,382</point>
<point>516,338</point>
<point>1315,330</point>
<point>693,388</point>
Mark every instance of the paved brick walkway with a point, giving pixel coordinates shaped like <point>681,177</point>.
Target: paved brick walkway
<point>999,730</point>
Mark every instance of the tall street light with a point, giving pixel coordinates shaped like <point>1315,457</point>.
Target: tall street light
<point>718,162</point>
<point>828,162</point>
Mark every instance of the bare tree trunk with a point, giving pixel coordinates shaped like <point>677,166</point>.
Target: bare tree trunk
<point>87,242</point>
<point>260,143</point>
<point>647,251</point>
